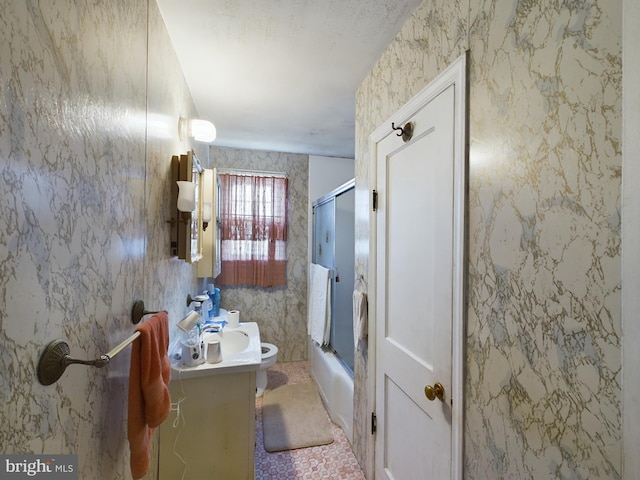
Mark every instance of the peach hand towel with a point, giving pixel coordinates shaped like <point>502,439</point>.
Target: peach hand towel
<point>149,399</point>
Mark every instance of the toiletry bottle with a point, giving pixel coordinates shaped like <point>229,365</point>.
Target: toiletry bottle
<point>194,334</point>
<point>207,307</point>
<point>202,299</point>
<point>216,302</point>
<point>210,294</point>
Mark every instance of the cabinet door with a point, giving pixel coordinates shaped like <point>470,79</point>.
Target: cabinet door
<point>215,435</point>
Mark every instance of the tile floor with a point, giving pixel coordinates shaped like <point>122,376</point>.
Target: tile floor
<point>334,461</point>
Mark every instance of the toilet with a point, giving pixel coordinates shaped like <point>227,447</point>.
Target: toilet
<point>269,357</point>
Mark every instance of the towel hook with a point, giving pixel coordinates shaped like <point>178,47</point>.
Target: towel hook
<point>406,133</point>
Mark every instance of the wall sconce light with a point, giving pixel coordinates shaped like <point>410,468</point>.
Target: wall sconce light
<point>186,199</point>
<point>206,215</point>
<point>200,130</point>
<point>186,207</point>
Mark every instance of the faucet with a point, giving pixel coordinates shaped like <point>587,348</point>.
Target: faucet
<point>215,327</point>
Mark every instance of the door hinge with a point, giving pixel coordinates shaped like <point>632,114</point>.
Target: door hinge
<point>374,423</point>
<point>374,200</point>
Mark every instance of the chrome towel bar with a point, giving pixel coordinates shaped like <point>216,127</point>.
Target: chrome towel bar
<point>55,358</point>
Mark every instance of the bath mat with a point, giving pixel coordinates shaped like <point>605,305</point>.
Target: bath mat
<point>293,417</point>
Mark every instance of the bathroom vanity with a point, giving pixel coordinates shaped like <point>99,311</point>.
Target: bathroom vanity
<point>215,432</point>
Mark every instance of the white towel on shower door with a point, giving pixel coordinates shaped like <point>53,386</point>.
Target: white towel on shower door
<point>319,321</point>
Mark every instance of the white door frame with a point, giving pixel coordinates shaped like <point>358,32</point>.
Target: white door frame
<point>630,237</point>
<point>456,75</point>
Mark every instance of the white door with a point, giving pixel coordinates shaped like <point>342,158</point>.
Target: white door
<point>419,297</point>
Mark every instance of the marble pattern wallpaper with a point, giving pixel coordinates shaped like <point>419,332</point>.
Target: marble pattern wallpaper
<point>281,312</point>
<point>90,102</point>
<point>543,357</point>
<point>89,108</point>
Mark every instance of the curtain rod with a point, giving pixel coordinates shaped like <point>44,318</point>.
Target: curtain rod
<point>240,171</point>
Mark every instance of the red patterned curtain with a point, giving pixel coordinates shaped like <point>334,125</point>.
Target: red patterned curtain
<point>253,216</point>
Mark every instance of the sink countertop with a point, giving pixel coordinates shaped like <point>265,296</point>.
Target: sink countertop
<point>245,361</point>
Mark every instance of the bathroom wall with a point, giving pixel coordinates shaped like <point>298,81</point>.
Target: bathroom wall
<point>543,355</point>
<point>281,312</point>
<point>83,198</point>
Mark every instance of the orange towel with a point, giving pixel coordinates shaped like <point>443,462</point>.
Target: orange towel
<point>149,399</point>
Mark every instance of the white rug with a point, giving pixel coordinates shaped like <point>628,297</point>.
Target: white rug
<point>293,416</point>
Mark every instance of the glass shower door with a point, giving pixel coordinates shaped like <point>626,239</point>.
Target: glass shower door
<point>333,248</point>
<point>342,324</point>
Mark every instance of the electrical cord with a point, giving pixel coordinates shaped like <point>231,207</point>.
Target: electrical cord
<point>177,407</point>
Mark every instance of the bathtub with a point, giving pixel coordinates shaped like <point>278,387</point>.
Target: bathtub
<point>335,385</point>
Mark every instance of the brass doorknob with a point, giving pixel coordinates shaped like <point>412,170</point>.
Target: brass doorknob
<point>436,391</point>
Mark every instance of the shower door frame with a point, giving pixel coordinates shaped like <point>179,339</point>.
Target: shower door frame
<point>350,277</point>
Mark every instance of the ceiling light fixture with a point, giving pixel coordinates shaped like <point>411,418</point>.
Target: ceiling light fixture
<point>200,130</point>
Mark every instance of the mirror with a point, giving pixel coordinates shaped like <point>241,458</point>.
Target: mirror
<point>209,265</point>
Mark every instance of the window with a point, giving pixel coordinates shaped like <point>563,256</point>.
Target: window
<point>253,220</point>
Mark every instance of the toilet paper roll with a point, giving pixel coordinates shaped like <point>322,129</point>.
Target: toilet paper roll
<point>214,353</point>
<point>233,318</point>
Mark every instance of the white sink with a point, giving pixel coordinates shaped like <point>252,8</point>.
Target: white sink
<point>231,341</point>
<point>241,352</point>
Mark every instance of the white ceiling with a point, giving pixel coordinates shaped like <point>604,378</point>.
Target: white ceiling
<point>281,75</point>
